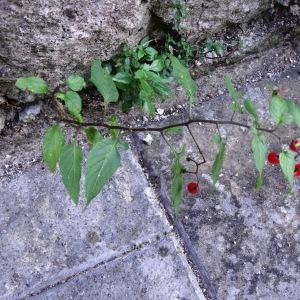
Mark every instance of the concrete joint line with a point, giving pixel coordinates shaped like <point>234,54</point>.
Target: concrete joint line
<point>87,267</point>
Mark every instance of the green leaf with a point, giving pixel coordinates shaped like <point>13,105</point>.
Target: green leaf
<point>287,164</point>
<point>139,74</point>
<point>177,182</point>
<point>151,53</point>
<point>146,87</point>
<point>218,162</point>
<point>217,139</point>
<point>102,162</point>
<point>149,107</point>
<point>158,84</point>
<point>294,110</point>
<point>93,135</point>
<point>145,41</point>
<point>173,130</point>
<point>61,96</point>
<point>288,118</point>
<point>34,84</point>
<point>251,109</point>
<point>278,109</point>
<point>183,76</point>
<point>76,83</point>
<point>104,82</point>
<point>73,103</point>
<point>70,169</point>
<point>123,77</point>
<point>259,150</point>
<point>140,53</point>
<point>53,143</point>
<point>233,94</point>
<point>157,65</point>
<point>218,48</point>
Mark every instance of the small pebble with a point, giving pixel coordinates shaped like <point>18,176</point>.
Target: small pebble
<point>148,139</point>
<point>160,111</point>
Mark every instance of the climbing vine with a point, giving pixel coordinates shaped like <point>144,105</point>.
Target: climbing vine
<point>138,77</point>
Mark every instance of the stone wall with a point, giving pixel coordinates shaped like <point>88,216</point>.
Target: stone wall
<point>57,37</point>
<point>206,17</point>
<point>53,39</point>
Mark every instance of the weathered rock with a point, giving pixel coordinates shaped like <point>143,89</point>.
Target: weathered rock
<point>29,113</point>
<point>56,38</point>
<point>207,17</point>
<point>2,119</point>
<point>284,2</point>
<point>13,93</point>
<point>295,9</point>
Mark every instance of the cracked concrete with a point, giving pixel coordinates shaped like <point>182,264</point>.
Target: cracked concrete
<point>248,240</point>
<point>121,245</point>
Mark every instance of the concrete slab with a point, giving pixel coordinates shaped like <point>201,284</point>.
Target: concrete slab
<point>156,271</point>
<point>45,239</point>
<point>248,240</point>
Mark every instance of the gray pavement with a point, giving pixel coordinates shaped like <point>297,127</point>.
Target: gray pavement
<point>120,247</point>
<point>248,241</point>
<point>241,243</point>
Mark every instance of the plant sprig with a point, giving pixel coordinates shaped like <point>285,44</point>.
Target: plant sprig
<point>144,72</point>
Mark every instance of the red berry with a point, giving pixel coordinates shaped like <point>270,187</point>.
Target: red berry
<point>273,158</point>
<point>193,188</point>
<point>297,170</point>
<point>295,145</point>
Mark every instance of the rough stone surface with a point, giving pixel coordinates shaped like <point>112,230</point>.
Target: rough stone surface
<point>46,240</point>
<point>55,38</point>
<point>207,17</point>
<point>30,112</point>
<point>249,240</point>
<point>2,119</point>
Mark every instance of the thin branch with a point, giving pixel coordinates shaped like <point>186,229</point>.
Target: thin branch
<point>195,141</point>
<point>196,172</point>
<point>193,160</point>
<point>162,128</point>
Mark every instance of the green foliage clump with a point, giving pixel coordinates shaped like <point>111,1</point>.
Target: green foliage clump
<point>141,75</point>
<point>136,77</point>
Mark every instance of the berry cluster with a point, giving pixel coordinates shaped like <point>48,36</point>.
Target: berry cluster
<point>273,157</point>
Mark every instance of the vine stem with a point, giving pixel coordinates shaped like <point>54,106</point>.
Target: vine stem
<point>195,141</point>
<point>162,128</point>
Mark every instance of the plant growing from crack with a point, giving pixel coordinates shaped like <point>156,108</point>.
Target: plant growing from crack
<point>142,75</point>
